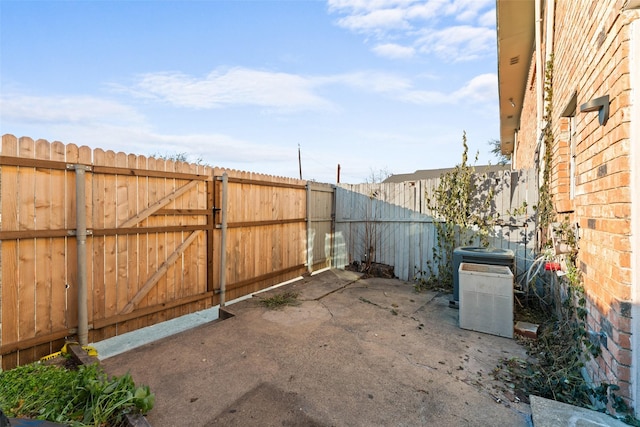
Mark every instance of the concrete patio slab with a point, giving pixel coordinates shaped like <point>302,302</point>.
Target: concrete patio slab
<point>353,352</point>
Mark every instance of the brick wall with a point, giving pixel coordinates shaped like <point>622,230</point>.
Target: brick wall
<point>591,47</point>
<point>527,138</point>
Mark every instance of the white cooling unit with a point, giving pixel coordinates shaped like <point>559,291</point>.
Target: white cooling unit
<point>486,299</point>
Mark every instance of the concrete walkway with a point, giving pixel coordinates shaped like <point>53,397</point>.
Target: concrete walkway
<point>354,352</point>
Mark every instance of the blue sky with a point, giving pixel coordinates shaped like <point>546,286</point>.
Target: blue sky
<point>368,84</point>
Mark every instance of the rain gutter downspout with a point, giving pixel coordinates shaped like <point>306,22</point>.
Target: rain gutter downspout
<point>634,136</point>
<point>550,18</point>
<point>540,67</point>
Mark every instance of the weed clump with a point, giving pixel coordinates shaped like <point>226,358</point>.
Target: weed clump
<point>280,300</point>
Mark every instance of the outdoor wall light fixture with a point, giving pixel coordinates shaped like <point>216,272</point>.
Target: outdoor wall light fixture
<point>601,105</point>
<point>513,104</point>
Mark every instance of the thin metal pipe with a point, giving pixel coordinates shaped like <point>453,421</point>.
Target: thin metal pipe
<point>309,240</point>
<point>223,239</point>
<point>81,243</point>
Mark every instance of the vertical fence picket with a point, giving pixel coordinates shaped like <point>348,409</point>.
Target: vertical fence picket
<point>110,245</point>
<point>141,202</point>
<point>26,247</point>
<point>122,241</point>
<point>10,296</point>
<point>158,293</point>
<point>132,280</point>
<point>167,241</point>
<point>59,313</point>
<point>98,257</point>
<point>43,279</point>
<point>165,284</point>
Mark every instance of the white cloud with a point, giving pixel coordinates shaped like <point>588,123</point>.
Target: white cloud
<point>467,10</point>
<point>365,5</point>
<point>426,97</point>
<point>422,24</point>
<point>392,50</point>
<point>460,43</point>
<point>220,149</point>
<point>488,19</point>
<point>106,124</point>
<point>482,88</point>
<point>426,10</point>
<point>371,81</point>
<point>376,21</point>
<point>235,86</point>
<point>67,109</point>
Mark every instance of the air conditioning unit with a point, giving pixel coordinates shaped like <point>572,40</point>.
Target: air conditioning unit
<point>486,299</point>
<point>478,255</point>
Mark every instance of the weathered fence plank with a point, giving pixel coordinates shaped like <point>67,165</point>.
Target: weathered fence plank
<point>9,249</point>
<point>59,319</point>
<point>320,243</point>
<point>43,285</point>
<point>26,247</point>
<point>395,219</point>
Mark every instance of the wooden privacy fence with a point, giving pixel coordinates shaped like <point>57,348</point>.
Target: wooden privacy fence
<point>270,233</point>
<point>95,243</point>
<point>149,238</point>
<point>390,223</point>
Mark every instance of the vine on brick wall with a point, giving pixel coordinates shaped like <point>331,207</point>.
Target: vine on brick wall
<point>545,209</point>
<point>569,343</point>
<point>575,304</point>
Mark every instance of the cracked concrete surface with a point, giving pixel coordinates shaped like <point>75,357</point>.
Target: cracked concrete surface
<point>355,352</point>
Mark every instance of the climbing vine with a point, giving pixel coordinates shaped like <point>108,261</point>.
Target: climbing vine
<point>545,209</point>
<point>574,305</point>
<point>564,343</point>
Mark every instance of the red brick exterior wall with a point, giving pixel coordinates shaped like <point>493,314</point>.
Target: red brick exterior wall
<point>591,49</point>
<point>527,135</point>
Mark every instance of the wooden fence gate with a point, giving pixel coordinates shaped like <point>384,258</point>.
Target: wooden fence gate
<point>150,239</point>
<point>149,233</point>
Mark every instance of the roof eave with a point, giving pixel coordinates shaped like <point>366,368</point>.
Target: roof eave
<point>515,21</point>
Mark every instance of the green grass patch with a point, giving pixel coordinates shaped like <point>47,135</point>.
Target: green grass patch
<point>280,300</point>
<point>85,396</point>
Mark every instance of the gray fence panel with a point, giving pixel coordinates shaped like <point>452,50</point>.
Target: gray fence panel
<point>392,224</point>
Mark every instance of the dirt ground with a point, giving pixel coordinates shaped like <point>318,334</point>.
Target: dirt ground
<point>352,352</point>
